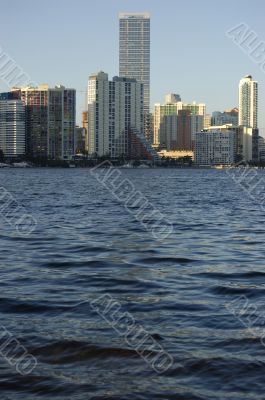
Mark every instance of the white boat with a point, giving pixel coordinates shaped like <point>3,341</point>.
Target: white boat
<point>143,166</point>
<point>126,166</point>
<point>22,164</point>
<point>220,166</point>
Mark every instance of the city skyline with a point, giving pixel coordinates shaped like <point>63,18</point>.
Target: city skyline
<point>132,196</point>
<point>193,75</point>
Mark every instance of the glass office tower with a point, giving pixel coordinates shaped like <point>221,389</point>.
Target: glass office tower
<point>134,57</point>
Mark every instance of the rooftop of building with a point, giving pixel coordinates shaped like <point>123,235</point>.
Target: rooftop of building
<point>180,102</point>
<point>128,15</point>
<point>123,79</point>
<point>248,78</point>
<point>41,87</point>
<point>220,127</point>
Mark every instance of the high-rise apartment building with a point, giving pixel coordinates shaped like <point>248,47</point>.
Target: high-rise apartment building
<point>50,120</point>
<point>98,114</point>
<point>160,113</point>
<point>184,141</point>
<point>248,102</point>
<point>114,107</point>
<point>12,127</point>
<point>170,109</point>
<point>168,132</point>
<point>134,53</point>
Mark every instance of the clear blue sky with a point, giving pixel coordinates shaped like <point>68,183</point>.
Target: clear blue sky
<point>64,41</point>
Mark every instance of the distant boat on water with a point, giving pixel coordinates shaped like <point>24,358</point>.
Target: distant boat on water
<point>22,164</point>
<point>126,166</point>
<point>143,166</point>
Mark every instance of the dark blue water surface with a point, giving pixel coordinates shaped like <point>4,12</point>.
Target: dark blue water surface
<point>86,244</point>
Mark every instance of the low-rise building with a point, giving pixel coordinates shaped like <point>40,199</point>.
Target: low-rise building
<point>175,154</point>
<point>245,145</point>
<point>215,146</point>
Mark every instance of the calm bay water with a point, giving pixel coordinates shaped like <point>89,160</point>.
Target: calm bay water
<point>86,245</point>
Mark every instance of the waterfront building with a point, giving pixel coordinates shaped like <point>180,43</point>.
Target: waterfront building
<point>12,126</point>
<point>166,120</point>
<point>247,144</point>
<point>85,127</point>
<point>80,141</point>
<point>261,149</point>
<point>215,146</point>
<point>197,124</point>
<point>134,54</point>
<point>168,132</point>
<point>244,141</point>
<point>248,102</point>
<point>50,120</point>
<point>161,111</point>
<point>175,154</point>
<point>184,130</point>
<point>114,107</point>
<point>149,126</point>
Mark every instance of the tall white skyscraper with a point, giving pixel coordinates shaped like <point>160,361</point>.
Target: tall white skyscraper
<point>248,102</point>
<point>134,53</point>
<point>114,107</point>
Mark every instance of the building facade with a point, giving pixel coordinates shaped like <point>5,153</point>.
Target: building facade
<point>248,102</point>
<point>197,114</point>
<point>12,128</point>
<point>114,107</point>
<point>245,142</point>
<point>261,149</point>
<point>214,147</point>
<point>226,117</point>
<point>85,127</point>
<point>206,121</point>
<point>184,140</point>
<point>80,141</point>
<point>245,139</point>
<point>134,53</point>
<point>50,120</point>
<point>168,132</point>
